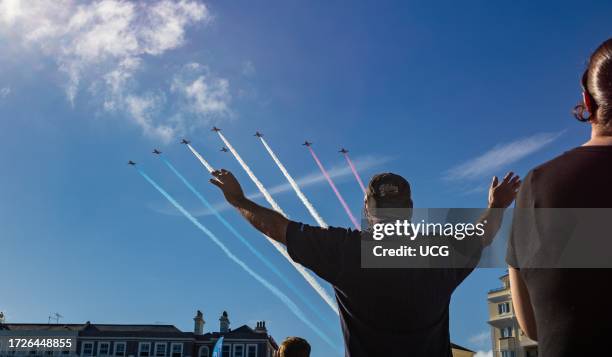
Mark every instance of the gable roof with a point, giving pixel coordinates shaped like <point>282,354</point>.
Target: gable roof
<point>461,348</point>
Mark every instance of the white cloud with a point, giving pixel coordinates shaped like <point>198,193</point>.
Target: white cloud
<point>480,339</point>
<point>488,353</point>
<point>142,110</point>
<point>205,95</point>
<point>500,156</point>
<point>4,92</point>
<point>105,42</point>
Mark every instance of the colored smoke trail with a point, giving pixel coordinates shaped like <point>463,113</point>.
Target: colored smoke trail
<point>350,163</point>
<point>313,212</point>
<point>273,289</point>
<point>333,186</point>
<point>204,162</point>
<point>240,237</point>
<point>305,274</point>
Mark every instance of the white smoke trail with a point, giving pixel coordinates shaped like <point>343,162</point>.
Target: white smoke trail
<point>204,162</point>
<point>307,275</point>
<point>273,289</point>
<point>252,176</point>
<point>313,212</point>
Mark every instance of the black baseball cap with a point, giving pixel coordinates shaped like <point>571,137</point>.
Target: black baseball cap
<point>390,190</point>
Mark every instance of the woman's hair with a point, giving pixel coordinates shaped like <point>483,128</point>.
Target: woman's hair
<point>597,86</point>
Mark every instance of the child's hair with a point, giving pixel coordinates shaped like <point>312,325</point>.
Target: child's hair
<point>294,347</point>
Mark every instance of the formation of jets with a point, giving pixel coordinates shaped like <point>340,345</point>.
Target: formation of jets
<point>224,149</point>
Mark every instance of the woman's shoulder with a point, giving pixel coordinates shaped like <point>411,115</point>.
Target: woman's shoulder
<point>567,159</point>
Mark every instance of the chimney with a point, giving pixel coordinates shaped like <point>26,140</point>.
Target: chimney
<point>198,326</point>
<point>224,322</point>
<point>261,327</point>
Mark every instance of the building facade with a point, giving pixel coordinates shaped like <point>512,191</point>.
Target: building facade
<point>108,340</point>
<point>507,338</point>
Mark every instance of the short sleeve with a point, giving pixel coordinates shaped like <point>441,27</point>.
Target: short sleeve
<point>321,250</point>
<point>521,219</point>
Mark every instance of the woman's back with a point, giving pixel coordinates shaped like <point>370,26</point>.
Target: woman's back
<point>579,178</point>
<point>570,305</point>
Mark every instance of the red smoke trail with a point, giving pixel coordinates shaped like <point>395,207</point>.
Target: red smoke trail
<point>331,183</point>
<point>350,163</point>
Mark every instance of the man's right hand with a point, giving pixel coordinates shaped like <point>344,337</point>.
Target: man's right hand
<point>269,222</point>
<point>229,185</point>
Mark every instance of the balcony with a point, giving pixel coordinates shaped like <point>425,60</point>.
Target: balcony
<point>507,344</point>
<point>499,295</point>
<point>502,288</point>
<point>502,320</point>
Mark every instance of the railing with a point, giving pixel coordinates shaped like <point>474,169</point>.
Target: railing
<point>497,290</point>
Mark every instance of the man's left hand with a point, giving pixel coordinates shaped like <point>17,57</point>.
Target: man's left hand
<point>501,194</point>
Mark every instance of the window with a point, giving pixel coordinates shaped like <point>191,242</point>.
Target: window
<point>225,352</point>
<point>103,348</point>
<point>160,349</point>
<point>506,332</point>
<point>503,308</point>
<point>144,349</point>
<point>238,350</point>
<point>251,351</point>
<point>87,349</point>
<point>177,350</point>
<point>119,348</point>
<point>204,352</point>
<point>508,354</point>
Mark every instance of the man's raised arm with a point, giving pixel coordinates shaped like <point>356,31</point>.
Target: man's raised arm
<point>265,220</point>
<point>501,195</point>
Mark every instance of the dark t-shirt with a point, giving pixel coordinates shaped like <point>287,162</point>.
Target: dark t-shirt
<point>383,312</point>
<point>569,304</point>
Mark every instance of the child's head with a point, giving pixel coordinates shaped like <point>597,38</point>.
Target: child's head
<point>294,347</point>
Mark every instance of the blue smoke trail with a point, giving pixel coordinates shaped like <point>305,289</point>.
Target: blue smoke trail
<point>273,289</point>
<point>245,241</point>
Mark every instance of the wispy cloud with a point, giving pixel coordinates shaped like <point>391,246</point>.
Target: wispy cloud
<point>202,93</point>
<point>500,156</point>
<point>480,339</point>
<point>102,45</point>
<point>339,170</point>
<point>248,68</point>
<point>4,92</point>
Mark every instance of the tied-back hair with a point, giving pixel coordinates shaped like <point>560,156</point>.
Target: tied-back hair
<point>597,86</point>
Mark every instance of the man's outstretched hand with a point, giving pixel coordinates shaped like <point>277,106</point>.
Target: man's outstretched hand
<point>501,194</point>
<point>228,184</point>
<point>269,222</point>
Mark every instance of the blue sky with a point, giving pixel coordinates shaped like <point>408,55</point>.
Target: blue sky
<point>443,94</point>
